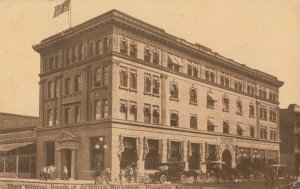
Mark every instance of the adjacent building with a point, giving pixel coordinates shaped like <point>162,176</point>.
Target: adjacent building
<point>17,145</point>
<point>290,138</point>
<point>152,97</point>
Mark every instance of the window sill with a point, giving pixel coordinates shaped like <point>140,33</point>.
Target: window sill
<point>67,95</point>
<point>238,113</point>
<point>147,93</point>
<point>133,90</point>
<point>251,116</point>
<point>156,95</point>
<point>225,110</point>
<point>123,88</point>
<point>174,99</point>
<point>194,103</point>
<point>211,107</point>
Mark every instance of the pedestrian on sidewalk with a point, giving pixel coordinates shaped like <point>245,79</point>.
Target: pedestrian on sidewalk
<point>65,173</point>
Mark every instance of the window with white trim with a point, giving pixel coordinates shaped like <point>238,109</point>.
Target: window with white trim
<point>156,85</point>
<point>193,95</point>
<point>147,83</point>
<point>147,113</point>
<point>123,77</point>
<point>173,90</point>
<point>155,114</point>
<point>174,118</point>
<point>193,121</point>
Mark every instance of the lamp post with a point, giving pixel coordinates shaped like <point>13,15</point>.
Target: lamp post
<point>99,152</point>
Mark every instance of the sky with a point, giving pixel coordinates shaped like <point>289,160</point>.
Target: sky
<point>262,34</point>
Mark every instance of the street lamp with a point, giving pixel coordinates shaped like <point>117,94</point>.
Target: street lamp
<point>99,147</point>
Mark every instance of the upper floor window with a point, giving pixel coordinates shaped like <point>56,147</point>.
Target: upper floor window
<point>238,85</point>
<point>132,111</point>
<point>251,110</point>
<point>193,95</point>
<point>262,93</point>
<point>210,125</point>
<point>99,49</point>
<point>250,89</point>
<point>147,83</point>
<point>123,46</point>
<point>239,130</point>
<point>273,116</point>
<point>174,90</point>
<point>173,63</point>
<point>68,56</point>
<point>123,106</point>
<point>225,104</point>
<point>49,118</point>
<point>252,131</point>
<point>80,52</point>
<point>272,96</point>
<point>263,132</point>
<point>97,77</point>
<point>97,109</point>
<point>174,118</point>
<point>147,55</point>
<point>51,63</point>
<point>211,99</point>
<point>156,85</point>
<point>73,54</point>
<point>123,76</point>
<point>263,113</point>
<point>155,58</point>
<point>155,114</point>
<point>192,70</point>
<point>147,113</point>
<point>91,49</point>
<point>133,79</point>
<point>224,80</point>
<point>133,50</point>
<point>105,108</point>
<point>56,62</point>
<point>193,121</point>
<point>239,106</point>
<point>67,115</point>
<point>105,75</point>
<point>225,127</point>
<point>67,86</point>
<point>55,116</point>
<point>105,44</point>
<point>78,83</point>
<point>56,88</point>
<point>77,114</point>
<point>273,134</point>
<point>50,89</point>
<point>210,75</point>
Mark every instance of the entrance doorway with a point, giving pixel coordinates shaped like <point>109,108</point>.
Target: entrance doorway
<point>66,161</point>
<point>227,158</point>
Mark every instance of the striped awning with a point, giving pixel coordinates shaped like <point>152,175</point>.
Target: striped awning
<point>8,147</point>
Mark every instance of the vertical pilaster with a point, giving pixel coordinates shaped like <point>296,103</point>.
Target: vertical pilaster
<point>41,103</point>
<point>84,101</point>
<point>60,100</point>
<point>185,155</point>
<point>58,163</point>
<point>163,98</point>
<point>73,164</point>
<point>164,152</point>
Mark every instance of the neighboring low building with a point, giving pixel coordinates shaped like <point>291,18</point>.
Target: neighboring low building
<point>17,145</point>
<point>290,138</point>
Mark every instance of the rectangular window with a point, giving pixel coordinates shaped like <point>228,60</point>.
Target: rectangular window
<point>225,127</point>
<point>67,86</point>
<point>91,49</point>
<point>105,108</point>
<point>123,47</point>
<point>238,85</point>
<point>68,52</point>
<point>80,50</point>
<point>123,77</point>
<point>225,104</point>
<point>155,57</point>
<point>210,75</point>
<point>147,55</point>
<point>97,77</point>
<point>106,75</point>
<point>50,89</point>
<point>273,116</point>
<point>49,118</point>
<point>132,111</point>
<point>105,44</point>
<point>147,83</point>
<point>252,131</point>
<point>190,70</point>
<point>147,113</point>
<point>210,101</point>
<point>239,106</point>
<point>56,88</point>
<point>193,95</point>
<point>97,155</point>
<point>85,49</point>
<point>174,118</point>
<point>263,133</point>
<point>193,121</point>
<point>123,106</point>
<point>55,116</point>
<point>263,113</point>
<point>97,109</point>
<point>250,89</point>
<point>77,114</point>
<point>73,55</point>
<point>174,90</point>
<point>210,126</point>
<point>98,47</point>
<point>239,130</point>
<point>156,85</point>
<point>51,64</point>
<point>78,84</point>
<point>133,50</point>
<point>155,114</point>
<point>251,110</point>
<point>67,115</point>
<point>195,71</point>
<point>133,79</point>
<point>56,62</point>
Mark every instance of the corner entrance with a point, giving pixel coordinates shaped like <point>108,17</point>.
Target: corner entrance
<point>227,158</point>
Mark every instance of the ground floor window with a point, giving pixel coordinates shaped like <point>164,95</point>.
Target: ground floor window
<point>50,152</point>
<point>97,155</point>
<point>129,155</point>
<point>152,159</point>
<point>175,151</point>
<point>194,159</point>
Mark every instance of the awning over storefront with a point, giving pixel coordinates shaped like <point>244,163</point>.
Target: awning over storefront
<point>258,154</point>
<point>8,147</point>
<point>212,122</point>
<point>272,155</point>
<point>212,96</point>
<point>175,60</point>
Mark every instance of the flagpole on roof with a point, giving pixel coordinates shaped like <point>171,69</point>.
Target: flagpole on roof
<point>70,23</point>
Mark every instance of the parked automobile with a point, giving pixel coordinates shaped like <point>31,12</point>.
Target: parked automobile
<point>174,172</point>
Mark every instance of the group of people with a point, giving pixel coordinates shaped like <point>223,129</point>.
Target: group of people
<point>127,174</point>
<point>47,172</point>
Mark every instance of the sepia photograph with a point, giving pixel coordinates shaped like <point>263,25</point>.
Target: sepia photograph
<point>140,94</point>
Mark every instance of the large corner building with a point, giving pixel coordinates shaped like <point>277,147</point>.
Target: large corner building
<point>153,97</point>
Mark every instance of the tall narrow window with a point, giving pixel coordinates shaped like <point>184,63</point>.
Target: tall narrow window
<point>56,88</point>
<point>155,115</point>
<point>174,90</point>
<point>105,44</point>
<point>156,85</point>
<point>147,55</point>
<point>105,108</point>
<point>210,126</point>
<point>123,108</point>
<point>193,121</point>
<point>97,77</point>
<point>106,75</point>
<point>225,104</point>
<point>78,84</point>
<point>97,109</point>
<point>251,110</point>
<point>49,118</point>
<point>67,56</point>
<point>91,49</point>
<point>67,86</point>
<point>174,118</point>
<point>123,77</point>
<point>189,70</point>
<point>77,114</point>
<point>133,50</point>
<point>56,62</point>
<point>193,95</point>
<point>55,116</point>
<point>195,71</point>
<point>123,47</point>
<point>225,127</point>
<point>155,57</point>
<point>239,130</point>
<point>133,79</point>
<point>147,113</point>
<point>80,50</point>
<point>210,101</point>
<point>239,107</point>
<point>252,131</point>
<point>50,89</point>
<point>73,54</point>
<point>147,83</point>
<point>67,115</point>
<point>132,111</point>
